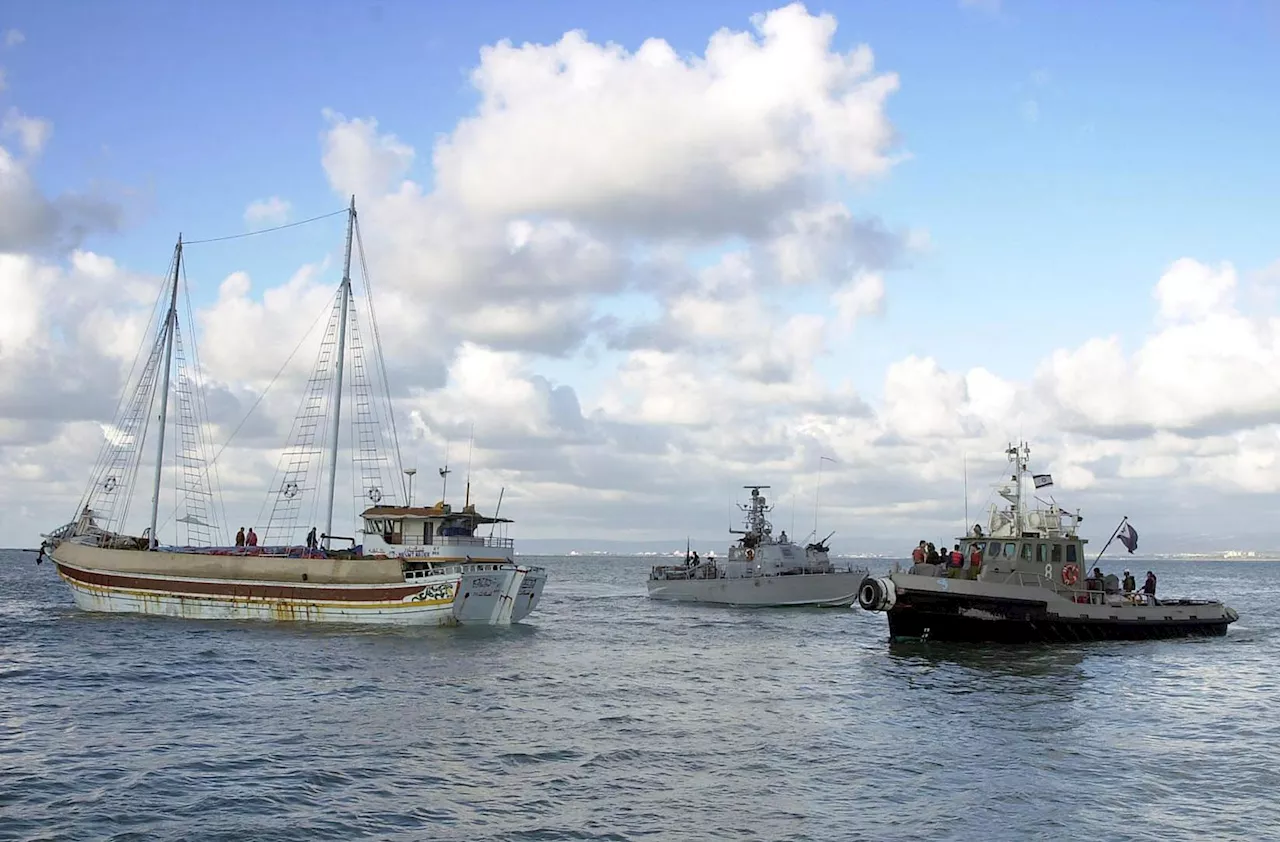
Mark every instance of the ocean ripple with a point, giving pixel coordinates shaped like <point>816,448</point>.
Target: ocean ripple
<point>609,717</point>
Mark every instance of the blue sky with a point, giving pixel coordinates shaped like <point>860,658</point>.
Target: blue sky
<point>1153,134</point>
<point>1061,154</point>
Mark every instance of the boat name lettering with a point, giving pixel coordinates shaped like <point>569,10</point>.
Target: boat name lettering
<point>440,590</point>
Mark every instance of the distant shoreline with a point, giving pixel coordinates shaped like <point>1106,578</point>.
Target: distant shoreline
<point>872,557</point>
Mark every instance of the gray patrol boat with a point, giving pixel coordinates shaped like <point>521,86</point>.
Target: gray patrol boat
<point>1022,580</point>
<point>760,570</point>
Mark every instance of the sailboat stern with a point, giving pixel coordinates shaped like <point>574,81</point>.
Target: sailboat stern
<point>497,595</point>
<point>530,593</point>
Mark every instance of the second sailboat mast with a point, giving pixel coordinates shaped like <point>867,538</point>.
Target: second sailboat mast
<point>344,293</point>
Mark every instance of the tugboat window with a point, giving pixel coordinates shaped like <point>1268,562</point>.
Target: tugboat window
<point>1042,553</point>
<point>1071,553</point>
<point>1057,553</point>
<point>1010,548</point>
<point>994,551</point>
<point>1026,552</point>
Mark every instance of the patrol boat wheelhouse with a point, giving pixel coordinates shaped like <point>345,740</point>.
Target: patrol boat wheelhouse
<point>1028,586</point>
<point>414,565</point>
<point>760,570</point>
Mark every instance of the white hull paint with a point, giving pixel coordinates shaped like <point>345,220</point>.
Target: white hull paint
<point>112,600</point>
<point>817,589</point>
<point>499,595</point>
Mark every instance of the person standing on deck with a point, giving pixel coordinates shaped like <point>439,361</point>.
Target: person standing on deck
<point>975,561</point>
<point>1149,587</point>
<point>240,537</point>
<point>252,539</point>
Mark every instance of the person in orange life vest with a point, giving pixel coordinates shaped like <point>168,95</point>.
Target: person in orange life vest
<point>918,554</point>
<point>252,538</point>
<point>975,561</point>
<point>957,557</point>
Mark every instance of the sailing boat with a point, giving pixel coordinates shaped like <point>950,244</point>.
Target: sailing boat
<point>423,565</point>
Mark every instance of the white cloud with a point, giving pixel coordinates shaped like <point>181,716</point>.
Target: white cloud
<point>272,211</point>
<point>359,160</point>
<point>13,38</point>
<point>1190,290</point>
<point>862,296</point>
<point>662,233</point>
<point>1207,367</point>
<point>652,140</point>
<point>33,132</point>
<point>31,221</point>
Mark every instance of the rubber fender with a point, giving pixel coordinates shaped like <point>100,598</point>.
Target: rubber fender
<point>877,594</point>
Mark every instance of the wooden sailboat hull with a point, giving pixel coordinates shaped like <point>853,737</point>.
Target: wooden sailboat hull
<point>309,590</point>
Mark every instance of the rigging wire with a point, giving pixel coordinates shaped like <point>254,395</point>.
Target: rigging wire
<point>328,394</point>
<point>203,423</point>
<point>326,397</point>
<point>264,392</point>
<point>263,230</point>
<point>382,361</point>
<point>117,418</point>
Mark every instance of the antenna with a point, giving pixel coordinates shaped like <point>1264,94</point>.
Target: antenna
<point>470,443</point>
<point>495,511</point>
<point>965,531</point>
<point>409,472</point>
<point>444,475</point>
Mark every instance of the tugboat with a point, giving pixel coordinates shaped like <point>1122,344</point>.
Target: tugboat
<point>1021,581</point>
<point>760,570</point>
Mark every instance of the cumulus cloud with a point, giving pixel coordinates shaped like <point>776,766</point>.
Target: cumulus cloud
<point>30,221</point>
<point>655,142</point>
<point>33,132</point>
<point>13,37</point>
<point>359,160</point>
<point>631,275</point>
<point>272,211</point>
<point>1204,369</point>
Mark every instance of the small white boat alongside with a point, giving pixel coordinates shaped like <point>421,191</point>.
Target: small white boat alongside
<point>760,570</point>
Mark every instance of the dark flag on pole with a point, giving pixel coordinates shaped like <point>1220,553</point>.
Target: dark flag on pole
<point>1129,537</point>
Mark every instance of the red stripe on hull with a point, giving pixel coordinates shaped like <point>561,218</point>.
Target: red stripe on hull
<point>240,590</point>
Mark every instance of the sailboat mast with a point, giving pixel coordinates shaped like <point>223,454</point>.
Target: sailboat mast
<point>170,324</point>
<point>344,293</point>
